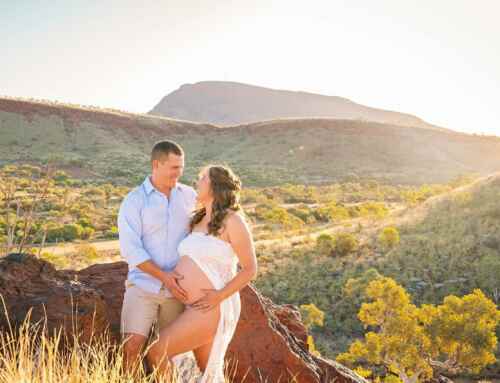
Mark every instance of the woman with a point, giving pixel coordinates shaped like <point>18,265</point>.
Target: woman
<point>219,239</point>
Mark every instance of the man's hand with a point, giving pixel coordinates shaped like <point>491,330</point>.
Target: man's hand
<point>170,280</point>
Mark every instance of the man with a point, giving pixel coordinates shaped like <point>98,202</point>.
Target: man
<point>153,219</point>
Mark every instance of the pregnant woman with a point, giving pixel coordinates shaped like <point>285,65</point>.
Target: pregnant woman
<point>219,239</point>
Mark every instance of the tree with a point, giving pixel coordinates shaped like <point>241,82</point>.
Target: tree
<point>355,288</point>
<point>398,343</point>
<point>463,332</point>
<point>411,342</point>
<point>312,316</point>
<point>488,275</point>
<point>23,190</point>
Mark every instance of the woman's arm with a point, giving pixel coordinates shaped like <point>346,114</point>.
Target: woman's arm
<point>241,240</point>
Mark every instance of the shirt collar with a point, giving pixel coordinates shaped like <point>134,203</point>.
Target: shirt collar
<point>148,186</point>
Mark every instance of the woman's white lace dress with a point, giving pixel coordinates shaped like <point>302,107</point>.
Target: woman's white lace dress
<point>217,259</point>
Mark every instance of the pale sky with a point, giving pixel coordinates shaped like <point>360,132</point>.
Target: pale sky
<point>437,59</point>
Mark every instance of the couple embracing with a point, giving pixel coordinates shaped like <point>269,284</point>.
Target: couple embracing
<point>183,248</point>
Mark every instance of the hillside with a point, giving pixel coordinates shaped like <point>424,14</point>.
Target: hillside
<point>231,103</point>
<point>98,143</point>
<point>449,245</point>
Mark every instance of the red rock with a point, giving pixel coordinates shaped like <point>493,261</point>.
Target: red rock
<point>30,283</point>
<point>269,343</point>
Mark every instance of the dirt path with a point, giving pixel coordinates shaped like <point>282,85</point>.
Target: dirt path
<point>113,245</point>
<point>69,248</point>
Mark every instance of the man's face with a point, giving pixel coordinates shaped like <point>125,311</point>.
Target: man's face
<point>169,168</point>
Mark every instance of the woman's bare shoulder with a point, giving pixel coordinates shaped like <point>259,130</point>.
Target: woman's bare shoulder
<point>236,220</point>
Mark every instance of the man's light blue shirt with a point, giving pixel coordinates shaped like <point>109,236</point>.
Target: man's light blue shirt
<point>151,226</point>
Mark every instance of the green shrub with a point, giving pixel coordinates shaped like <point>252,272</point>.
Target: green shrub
<point>87,252</point>
<point>389,237</point>
<point>68,232</point>
<point>87,233</point>
<point>325,244</point>
<point>345,243</point>
<point>312,316</point>
<point>85,222</point>
<point>111,233</point>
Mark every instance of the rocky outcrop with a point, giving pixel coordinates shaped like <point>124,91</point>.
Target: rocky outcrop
<point>30,285</point>
<point>269,343</point>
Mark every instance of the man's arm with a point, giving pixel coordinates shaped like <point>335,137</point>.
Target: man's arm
<point>129,233</point>
<point>132,248</point>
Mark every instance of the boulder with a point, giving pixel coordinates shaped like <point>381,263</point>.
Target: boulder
<point>31,285</point>
<point>270,343</point>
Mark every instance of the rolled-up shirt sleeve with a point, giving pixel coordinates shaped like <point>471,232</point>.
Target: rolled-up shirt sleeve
<point>130,233</point>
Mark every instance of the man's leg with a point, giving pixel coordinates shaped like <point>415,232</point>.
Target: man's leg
<point>132,348</point>
<point>170,309</point>
<point>139,311</point>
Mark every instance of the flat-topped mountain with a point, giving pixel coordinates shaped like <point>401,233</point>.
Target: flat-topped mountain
<point>231,103</point>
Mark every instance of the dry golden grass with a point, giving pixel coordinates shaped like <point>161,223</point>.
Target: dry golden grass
<point>30,355</point>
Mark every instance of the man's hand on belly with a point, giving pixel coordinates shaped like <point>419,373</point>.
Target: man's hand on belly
<point>170,280</point>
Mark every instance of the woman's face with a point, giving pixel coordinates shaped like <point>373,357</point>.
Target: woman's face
<point>203,186</point>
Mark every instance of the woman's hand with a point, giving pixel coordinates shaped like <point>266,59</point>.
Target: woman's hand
<point>209,301</point>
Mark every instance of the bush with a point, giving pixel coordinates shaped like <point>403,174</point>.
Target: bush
<point>303,213</point>
<point>280,216</point>
<point>88,252</point>
<point>325,244</point>
<point>331,212</point>
<point>345,243</point>
<point>68,232</point>
<point>111,233</point>
<point>389,237</point>
<point>312,316</point>
<point>87,232</point>
<point>60,261</point>
<point>72,231</point>
<point>85,222</point>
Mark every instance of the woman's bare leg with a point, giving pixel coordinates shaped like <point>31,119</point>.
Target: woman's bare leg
<point>201,354</point>
<point>191,330</point>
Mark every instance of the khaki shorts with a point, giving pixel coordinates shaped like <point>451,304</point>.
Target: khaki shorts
<point>142,309</point>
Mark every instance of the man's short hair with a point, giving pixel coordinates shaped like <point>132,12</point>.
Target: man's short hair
<point>162,149</point>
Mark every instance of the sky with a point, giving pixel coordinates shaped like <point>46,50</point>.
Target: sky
<point>437,59</point>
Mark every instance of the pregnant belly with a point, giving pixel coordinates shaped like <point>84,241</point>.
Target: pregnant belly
<point>194,279</point>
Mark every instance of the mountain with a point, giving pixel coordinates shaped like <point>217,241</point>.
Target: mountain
<point>231,103</point>
<point>113,145</point>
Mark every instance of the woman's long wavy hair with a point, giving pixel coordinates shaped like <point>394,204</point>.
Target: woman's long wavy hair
<point>226,189</point>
